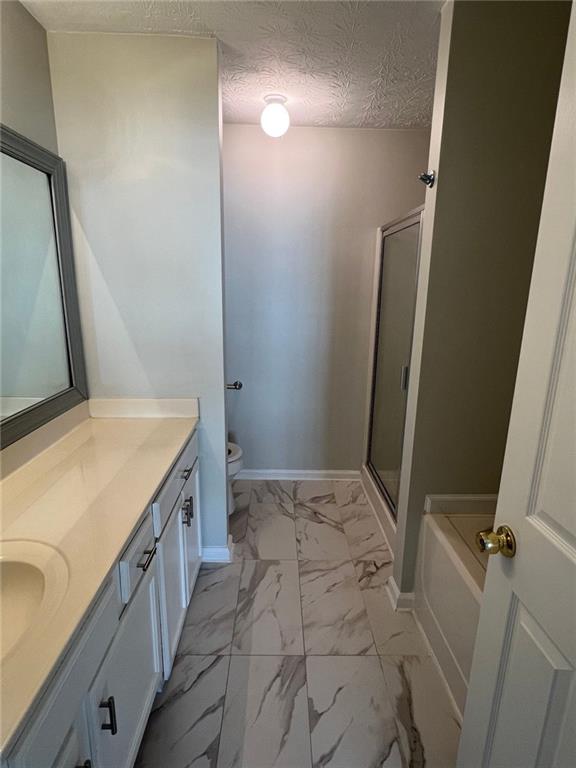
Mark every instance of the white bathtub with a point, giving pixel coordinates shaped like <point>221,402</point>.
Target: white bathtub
<point>449,582</point>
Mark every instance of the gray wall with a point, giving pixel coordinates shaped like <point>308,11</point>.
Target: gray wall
<point>138,123</point>
<point>300,215</point>
<point>504,67</point>
<point>26,100</point>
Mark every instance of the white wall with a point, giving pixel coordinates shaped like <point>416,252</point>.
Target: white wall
<point>138,124</point>
<point>26,93</point>
<point>300,216</point>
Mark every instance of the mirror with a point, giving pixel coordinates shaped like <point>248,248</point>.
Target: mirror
<point>41,361</point>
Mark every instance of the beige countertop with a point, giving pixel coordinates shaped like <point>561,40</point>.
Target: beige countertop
<point>84,496</point>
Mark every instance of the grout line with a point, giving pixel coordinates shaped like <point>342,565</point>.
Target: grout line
<point>303,643</point>
<point>231,644</point>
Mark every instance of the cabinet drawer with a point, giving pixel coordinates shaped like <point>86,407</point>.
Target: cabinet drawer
<point>169,494</point>
<point>136,560</point>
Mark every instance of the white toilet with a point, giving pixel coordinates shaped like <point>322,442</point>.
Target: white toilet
<point>235,464</point>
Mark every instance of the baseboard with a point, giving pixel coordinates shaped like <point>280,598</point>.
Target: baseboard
<point>298,474</point>
<point>143,408</point>
<point>381,509</point>
<point>401,601</point>
<point>216,555</point>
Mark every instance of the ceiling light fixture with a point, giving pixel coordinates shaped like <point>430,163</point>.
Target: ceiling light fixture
<point>275,119</point>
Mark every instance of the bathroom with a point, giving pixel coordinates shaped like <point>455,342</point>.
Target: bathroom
<point>274,394</point>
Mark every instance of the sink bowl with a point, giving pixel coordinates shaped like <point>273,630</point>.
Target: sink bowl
<point>33,581</point>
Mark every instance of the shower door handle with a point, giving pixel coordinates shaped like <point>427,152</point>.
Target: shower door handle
<point>404,374</point>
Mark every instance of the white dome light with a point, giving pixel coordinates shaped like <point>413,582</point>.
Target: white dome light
<point>275,119</point>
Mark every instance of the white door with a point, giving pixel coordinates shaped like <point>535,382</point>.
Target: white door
<point>191,519</point>
<point>121,696</point>
<point>75,751</point>
<point>172,582</point>
<point>521,707</point>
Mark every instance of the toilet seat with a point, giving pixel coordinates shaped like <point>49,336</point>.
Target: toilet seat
<point>234,453</point>
<point>234,459</point>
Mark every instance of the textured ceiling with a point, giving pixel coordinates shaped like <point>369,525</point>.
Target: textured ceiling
<point>368,64</point>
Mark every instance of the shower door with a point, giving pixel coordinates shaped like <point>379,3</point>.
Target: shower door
<point>393,343</point>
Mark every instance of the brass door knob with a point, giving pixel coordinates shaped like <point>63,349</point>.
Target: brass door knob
<point>502,541</point>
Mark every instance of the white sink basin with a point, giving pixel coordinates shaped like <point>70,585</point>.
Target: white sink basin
<point>33,581</point>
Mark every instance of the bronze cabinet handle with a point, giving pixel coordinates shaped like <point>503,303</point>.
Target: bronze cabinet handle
<point>188,509</point>
<point>110,705</point>
<point>146,564</point>
<point>190,506</point>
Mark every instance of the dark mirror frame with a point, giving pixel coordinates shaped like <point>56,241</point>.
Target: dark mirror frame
<point>22,423</point>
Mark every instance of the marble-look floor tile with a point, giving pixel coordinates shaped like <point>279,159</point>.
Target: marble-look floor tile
<point>395,632</point>
<point>242,491</point>
<point>352,722</point>
<point>237,525</point>
<point>373,574</point>
<point>272,491</point>
<point>238,520</point>
<point>349,493</point>
<point>333,611</point>
<point>428,728</point>
<point>266,714</point>
<point>365,539</point>
<point>319,533</point>
<point>314,492</point>
<point>210,619</point>
<point>184,726</point>
<point>270,533</point>
<point>268,616</point>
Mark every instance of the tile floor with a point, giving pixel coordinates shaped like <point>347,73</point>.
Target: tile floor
<point>292,656</point>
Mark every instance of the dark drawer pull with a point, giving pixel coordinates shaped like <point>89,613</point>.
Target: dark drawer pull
<point>110,705</point>
<point>186,473</point>
<point>85,764</point>
<point>146,564</point>
<point>188,509</point>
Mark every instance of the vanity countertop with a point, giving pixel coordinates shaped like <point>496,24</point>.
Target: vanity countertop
<point>84,496</point>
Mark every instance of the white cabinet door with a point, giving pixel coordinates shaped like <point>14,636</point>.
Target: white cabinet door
<point>191,518</point>
<point>172,583</point>
<point>521,706</point>
<point>75,751</point>
<point>56,735</point>
<point>121,696</point>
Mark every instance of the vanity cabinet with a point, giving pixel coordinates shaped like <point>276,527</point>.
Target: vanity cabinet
<point>121,696</point>
<point>94,710</point>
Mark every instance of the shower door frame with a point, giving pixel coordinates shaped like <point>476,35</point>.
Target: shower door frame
<point>415,216</point>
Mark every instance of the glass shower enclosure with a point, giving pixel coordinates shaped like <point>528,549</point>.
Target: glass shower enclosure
<point>397,278</point>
